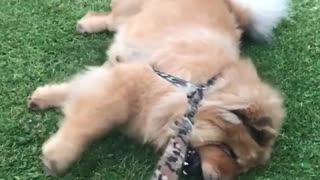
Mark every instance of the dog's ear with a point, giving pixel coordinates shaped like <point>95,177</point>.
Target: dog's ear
<point>258,125</point>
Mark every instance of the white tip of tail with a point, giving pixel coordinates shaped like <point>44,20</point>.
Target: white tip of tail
<point>265,15</point>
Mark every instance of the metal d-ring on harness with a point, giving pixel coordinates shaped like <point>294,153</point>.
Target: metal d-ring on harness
<point>173,158</point>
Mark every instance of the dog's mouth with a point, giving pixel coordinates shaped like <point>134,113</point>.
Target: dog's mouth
<point>192,164</point>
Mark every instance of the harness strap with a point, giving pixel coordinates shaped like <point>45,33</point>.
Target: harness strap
<point>183,83</point>
<point>171,162</point>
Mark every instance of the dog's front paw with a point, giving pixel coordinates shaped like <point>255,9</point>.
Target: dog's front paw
<point>57,155</point>
<point>37,101</point>
<point>40,98</point>
<point>82,26</point>
<point>210,173</point>
<point>217,163</point>
<point>246,158</point>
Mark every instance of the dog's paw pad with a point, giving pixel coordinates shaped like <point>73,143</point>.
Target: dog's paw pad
<point>32,105</point>
<point>36,104</point>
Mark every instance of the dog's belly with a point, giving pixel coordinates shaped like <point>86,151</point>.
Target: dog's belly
<point>132,45</point>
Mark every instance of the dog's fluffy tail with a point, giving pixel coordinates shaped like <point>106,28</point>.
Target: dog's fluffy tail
<point>260,17</point>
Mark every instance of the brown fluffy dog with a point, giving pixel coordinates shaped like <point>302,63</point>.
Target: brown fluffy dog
<point>191,39</point>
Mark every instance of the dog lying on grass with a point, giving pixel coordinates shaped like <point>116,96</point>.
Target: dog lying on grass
<point>190,39</point>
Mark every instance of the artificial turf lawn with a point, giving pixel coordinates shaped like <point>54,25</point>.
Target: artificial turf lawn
<point>38,44</point>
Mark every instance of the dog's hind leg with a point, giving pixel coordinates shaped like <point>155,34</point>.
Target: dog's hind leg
<point>94,22</point>
<point>51,95</point>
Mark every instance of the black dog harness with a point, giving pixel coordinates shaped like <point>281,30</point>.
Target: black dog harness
<point>173,160</point>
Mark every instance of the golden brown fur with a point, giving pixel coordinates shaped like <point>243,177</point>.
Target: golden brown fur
<point>185,38</point>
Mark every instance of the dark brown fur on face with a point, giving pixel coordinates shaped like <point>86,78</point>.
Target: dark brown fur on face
<point>259,128</point>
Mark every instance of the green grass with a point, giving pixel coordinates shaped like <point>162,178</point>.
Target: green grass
<point>38,44</point>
